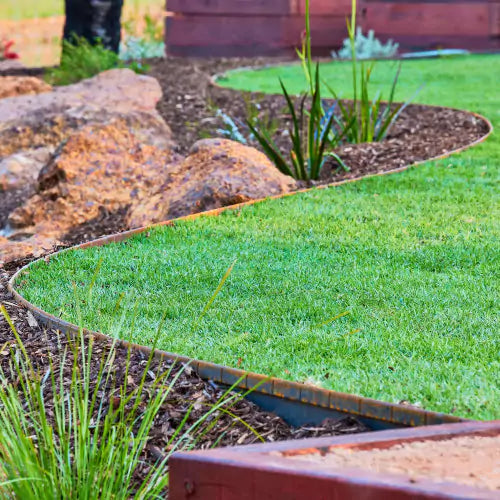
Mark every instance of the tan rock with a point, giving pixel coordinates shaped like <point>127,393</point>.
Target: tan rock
<point>99,167</point>
<point>35,246</point>
<point>94,147</point>
<point>217,173</point>
<point>23,167</point>
<point>13,86</point>
<point>32,121</point>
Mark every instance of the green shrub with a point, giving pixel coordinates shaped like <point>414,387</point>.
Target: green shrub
<point>82,60</point>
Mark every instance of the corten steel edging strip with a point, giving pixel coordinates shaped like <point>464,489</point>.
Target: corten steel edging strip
<point>263,471</point>
<point>293,391</point>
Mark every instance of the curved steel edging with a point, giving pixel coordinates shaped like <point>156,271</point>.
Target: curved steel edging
<point>284,394</point>
<point>377,413</point>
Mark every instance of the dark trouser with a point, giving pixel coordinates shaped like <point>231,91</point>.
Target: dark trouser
<point>94,20</point>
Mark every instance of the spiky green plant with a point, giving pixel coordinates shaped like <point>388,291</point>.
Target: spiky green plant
<point>86,440</point>
<point>366,119</point>
<point>312,133</point>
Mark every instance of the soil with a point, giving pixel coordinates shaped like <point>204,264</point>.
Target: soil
<point>469,460</point>
<point>190,103</point>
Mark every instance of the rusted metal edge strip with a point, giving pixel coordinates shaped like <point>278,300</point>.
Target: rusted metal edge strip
<point>294,391</point>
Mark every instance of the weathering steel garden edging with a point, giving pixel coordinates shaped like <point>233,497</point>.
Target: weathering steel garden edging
<point>296,403</point>
<point>279,471</point>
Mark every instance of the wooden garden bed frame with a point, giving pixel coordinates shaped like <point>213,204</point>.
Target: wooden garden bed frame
<point>205,28</point>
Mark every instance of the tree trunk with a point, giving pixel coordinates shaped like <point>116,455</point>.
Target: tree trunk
<point>94,20</point>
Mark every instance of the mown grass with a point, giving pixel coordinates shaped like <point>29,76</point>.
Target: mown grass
<point>29,9</point>
<point>414,257</point>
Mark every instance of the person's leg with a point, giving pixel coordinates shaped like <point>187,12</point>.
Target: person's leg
<point>78,20</point>
<point>106,22</point>
<point>94,20</point>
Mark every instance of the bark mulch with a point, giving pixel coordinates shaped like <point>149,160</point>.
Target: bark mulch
<point>190,102</point>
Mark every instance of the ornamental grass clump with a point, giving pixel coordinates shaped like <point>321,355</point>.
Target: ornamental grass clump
<point>366,119</point>
<point>75,430</point>
<point>318,126</point>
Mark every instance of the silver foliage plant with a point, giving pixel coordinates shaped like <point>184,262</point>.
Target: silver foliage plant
<point>367,47</point>
<point>135,49</point>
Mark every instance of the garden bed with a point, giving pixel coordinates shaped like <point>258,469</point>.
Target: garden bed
<point>190,103</point>
<point>440,462</point>
<point>406,255</point>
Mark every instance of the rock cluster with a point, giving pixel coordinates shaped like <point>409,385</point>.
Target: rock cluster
<point>100,145</point>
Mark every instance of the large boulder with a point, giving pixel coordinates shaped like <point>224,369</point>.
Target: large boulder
<point>217,173</point>
<point>100,167</point>
<point>86,147</point>
<point>13,86</point>
<point>44,120</point>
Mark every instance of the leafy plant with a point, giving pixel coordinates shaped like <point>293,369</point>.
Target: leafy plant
<point>86,440</point>
<point>312,131</point>
<point>309,134</point>
<point>230,128</point>
<point>135,48</point>
<point>82,60</point>
<point>238,130</point>
<point>153,30</point>
<point>366,47</point>
<point>366,119</point>
<point>148,44</point>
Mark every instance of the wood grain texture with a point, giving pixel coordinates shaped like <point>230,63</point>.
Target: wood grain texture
<point>274,27</point>
<point>263,31</point>
<point>233,7</point>
<point>325,7</point>
<point>428,19</point>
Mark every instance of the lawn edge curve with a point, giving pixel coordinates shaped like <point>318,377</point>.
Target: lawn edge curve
<point>357,405</point>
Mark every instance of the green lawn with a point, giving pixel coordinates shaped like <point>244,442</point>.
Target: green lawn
<point>28,9</point>
<point>414,257</point>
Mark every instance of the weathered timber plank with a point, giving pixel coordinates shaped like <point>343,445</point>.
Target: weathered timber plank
<point>275,32</point>
<point>468,19</point>
<point>233,7</point>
